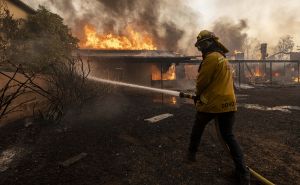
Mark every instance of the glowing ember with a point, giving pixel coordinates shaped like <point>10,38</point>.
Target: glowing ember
<point>173,100</point>
<point>257,72</point>
<point>133,41</point>
<point>169,75</point>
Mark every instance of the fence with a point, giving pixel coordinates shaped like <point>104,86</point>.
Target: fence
<point>283,72</point>
<point>252,72</point>
<point>256,72</point>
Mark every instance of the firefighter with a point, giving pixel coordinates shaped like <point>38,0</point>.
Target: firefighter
<point>215,99</point>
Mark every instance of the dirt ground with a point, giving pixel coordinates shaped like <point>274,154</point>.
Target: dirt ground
<point>122,148</point>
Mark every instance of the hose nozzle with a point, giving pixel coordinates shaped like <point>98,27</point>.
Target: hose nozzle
<point>186,95</point>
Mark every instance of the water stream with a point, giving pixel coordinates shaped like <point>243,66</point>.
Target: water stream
<point>164,91</point>
<point>286,109</point>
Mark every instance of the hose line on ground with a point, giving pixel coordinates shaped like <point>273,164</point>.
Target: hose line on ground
<point>252,172</point>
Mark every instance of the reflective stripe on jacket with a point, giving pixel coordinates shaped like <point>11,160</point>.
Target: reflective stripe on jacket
<point>214,85</point>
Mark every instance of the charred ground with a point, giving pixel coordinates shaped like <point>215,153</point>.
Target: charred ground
<point>124,149</point>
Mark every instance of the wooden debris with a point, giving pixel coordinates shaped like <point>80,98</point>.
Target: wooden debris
<point>159,118</point>
<point>73,160</point>
<point>28,122</point>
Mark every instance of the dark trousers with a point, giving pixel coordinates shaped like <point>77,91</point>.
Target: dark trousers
<point>226,122</point>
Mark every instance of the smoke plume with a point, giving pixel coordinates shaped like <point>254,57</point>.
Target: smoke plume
<point>175,24</point>
<point>170,24</point>
<point>267,20</point>
<point>231,34</point>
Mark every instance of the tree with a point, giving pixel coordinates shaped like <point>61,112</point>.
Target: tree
<point>42,39</point>
<point>284,46</point>
<point>41,48</point>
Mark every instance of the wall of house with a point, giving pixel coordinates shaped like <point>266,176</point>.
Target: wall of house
<point>16,11</point>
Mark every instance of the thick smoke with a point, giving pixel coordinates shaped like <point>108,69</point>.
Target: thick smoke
<point>168,23</point>
<point>231,34</point>
<point>174,24</point>
<point>267,20</point>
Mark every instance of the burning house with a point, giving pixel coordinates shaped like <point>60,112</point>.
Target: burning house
<point>130,58</point>
<point>144,67</point>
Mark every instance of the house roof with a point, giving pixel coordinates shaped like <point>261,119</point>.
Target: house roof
<point>132,56</point>
<point>23,6</point>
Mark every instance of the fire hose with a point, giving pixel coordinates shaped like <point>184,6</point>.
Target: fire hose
<point>252,172</point>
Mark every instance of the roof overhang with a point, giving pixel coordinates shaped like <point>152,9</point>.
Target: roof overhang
<point>23,6</point>
<point>148,56</point>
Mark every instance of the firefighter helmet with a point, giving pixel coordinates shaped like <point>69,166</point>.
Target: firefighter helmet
<point>205,35</point>
<point>205,38</point>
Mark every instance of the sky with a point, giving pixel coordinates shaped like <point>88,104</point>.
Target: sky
<point>267,20</point>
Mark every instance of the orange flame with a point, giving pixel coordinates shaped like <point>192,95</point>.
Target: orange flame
<point>169,75</point>
<point>257,72</point>
<point>173,100</point>
<point>133,41</point>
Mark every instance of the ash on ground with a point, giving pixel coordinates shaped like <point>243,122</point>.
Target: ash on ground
<point>122,148</point>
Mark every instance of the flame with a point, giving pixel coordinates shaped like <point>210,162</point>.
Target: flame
<point>297,79</point>
<point>257,72</point>
<point>169,75</point>
<point>173,100</point>
<point>133,41</point>
<point>170,100</point>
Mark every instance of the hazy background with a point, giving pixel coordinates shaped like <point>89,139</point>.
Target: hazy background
<point>267,20</point>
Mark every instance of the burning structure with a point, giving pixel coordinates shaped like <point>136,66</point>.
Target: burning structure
<point>132,57</point>
<point>144,67</point>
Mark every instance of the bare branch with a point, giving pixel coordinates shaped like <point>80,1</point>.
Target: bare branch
<point>13,109</point>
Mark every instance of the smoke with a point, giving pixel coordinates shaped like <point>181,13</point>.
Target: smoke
<point>231,34</point>
<point>267,20</point>
<point>175,24</point>
<point>168,23</point>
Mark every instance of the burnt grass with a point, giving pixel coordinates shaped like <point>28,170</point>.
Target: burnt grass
<point>124,149</point>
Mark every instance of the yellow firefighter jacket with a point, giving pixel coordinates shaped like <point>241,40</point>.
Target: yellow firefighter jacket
<point>214,85</point>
